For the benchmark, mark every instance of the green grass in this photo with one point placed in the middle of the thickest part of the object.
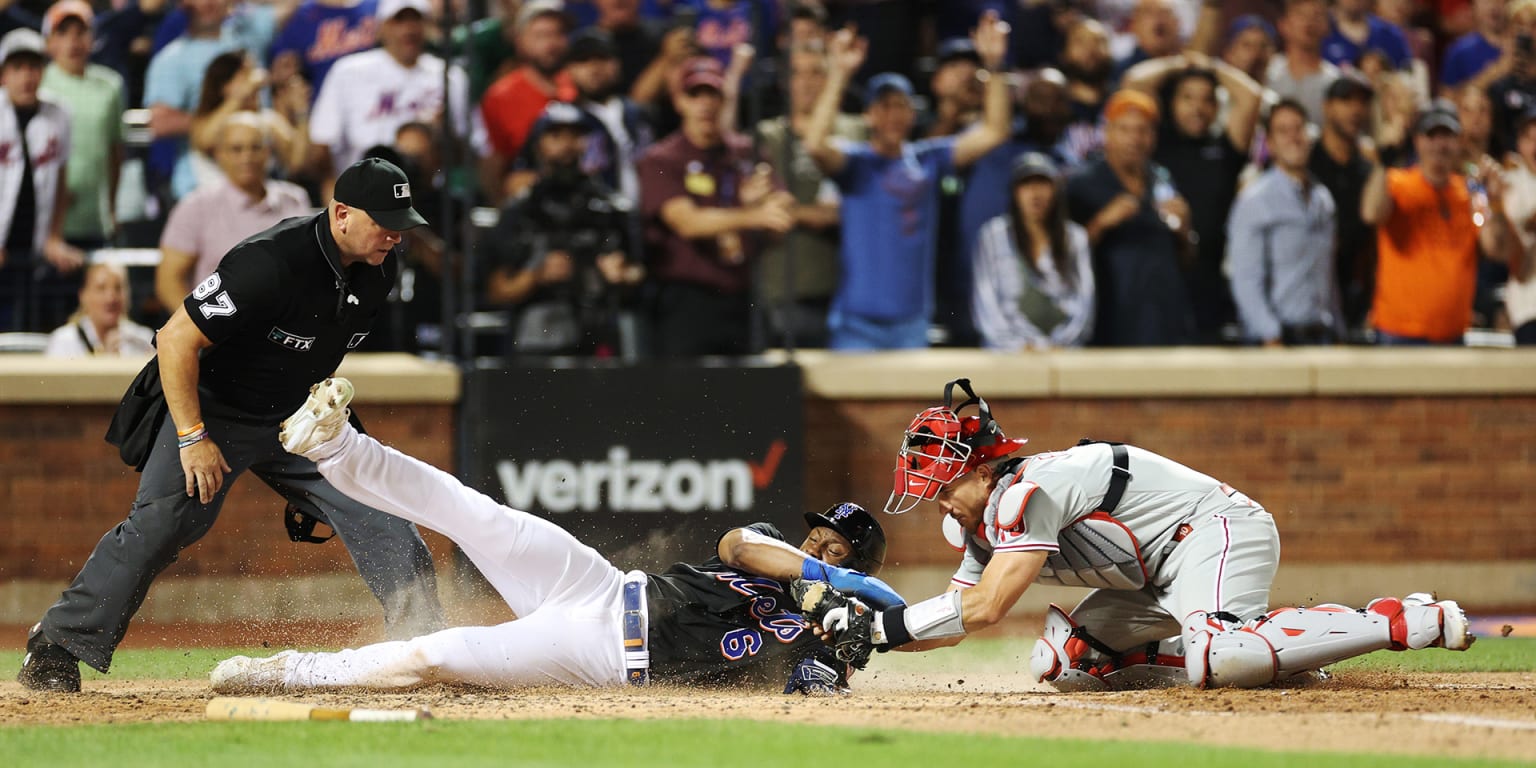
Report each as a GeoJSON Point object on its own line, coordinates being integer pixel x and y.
{"type": "Point", "coordinates": [591, 743]}
{"type": "Point", "coordinates": [1488, 654]}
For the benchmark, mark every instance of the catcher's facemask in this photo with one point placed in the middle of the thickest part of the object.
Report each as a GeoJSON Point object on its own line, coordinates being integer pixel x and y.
{"type": "Point", "coordinates": [940, 446]}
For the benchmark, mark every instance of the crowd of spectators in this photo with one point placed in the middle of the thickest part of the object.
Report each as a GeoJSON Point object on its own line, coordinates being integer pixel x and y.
{"type": "Point", "coordinates": [684, 178]}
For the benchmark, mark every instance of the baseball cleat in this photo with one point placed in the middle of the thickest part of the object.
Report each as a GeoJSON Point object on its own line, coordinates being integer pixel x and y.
{"type": "Point", "coordinates": [1455, 630]}
{"type": "Point", "coordinates": [48, 667]}
{"type": "Point", "coordinates": [320, 419]}
{"type": "Point", "coordinates": [243, 673]}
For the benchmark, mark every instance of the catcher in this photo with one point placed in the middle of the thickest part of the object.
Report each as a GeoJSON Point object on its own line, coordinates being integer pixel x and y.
{"type": "Point", "coordinates": [581, 621]}
{"type": "Point", "coordinates": [1180, 565]}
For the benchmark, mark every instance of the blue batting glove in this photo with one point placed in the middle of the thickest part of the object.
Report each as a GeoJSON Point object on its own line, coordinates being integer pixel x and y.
{"type": "Point", "coordinates": [867, 588]}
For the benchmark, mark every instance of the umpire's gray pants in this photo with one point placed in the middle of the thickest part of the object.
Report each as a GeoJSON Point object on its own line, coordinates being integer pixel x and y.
{"type": "Point", "coordinates": [89, 620]}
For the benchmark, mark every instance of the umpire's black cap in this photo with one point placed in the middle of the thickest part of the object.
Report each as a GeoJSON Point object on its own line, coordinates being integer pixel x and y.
{"type": "Point", "coordinates": [381, 189]}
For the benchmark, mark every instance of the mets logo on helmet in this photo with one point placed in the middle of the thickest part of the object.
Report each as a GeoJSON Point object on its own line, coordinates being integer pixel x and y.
{"type": "Point", "coordinates": [842, 511]}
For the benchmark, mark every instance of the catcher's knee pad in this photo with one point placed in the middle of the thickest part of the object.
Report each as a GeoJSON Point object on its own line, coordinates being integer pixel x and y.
{"type": "Point", "coordinates": [1219, 655]}
{"type": "Point", "coordinates": [1056, 659]}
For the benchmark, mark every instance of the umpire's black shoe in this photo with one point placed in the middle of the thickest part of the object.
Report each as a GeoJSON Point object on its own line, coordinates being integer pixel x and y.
{"type": "Point", "coordinates": [48, 667]}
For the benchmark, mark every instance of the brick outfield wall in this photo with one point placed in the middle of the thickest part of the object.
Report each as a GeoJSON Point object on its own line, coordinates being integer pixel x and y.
{"type": "Point", "coordinates": [1349, 480]}
{"type": "Point", "coordinates": [62, 487]}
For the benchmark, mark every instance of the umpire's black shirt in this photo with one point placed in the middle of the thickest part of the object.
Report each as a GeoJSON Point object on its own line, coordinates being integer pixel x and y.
{"type": "Point", "coordinates": [282, 312]}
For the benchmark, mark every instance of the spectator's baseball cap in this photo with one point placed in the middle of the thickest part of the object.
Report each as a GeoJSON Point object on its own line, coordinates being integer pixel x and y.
{"type": "Point", "coordinates": [1348, 86]}
{"type": "Point", "coordinates": [388, 9]}
{"type": "Point", "coordinates": [1249, 21]}
{"type": "Point", "coordinates": [558, 114]}
{"type": "Point", "coordinates": [21, 42]}
{"type": "Point", "coordinates": [956, 48]}
{"type": "Point", "coordinates": [1032, 165]}
{"type": "Point", "coordinates": [1125, 101]}
{"type": "Point", "coordinates": [1437, 118]}
{"type": "Point", "coordinates": [534, 9]}
{"type": "Point", "coordinates": [591, 44]}
{"type": "Point", "coordinates": [888, 82]}
{"type": "Point", "coordinates": [702, 72]}
{"type": "Point", "coordinates": [381, 189]}
{"type": "Point", "coordinates": [67, 9]}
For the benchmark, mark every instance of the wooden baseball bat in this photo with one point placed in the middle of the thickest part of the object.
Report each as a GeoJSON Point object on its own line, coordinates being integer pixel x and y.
{"type": "Point", "coordinates": [239, 708]}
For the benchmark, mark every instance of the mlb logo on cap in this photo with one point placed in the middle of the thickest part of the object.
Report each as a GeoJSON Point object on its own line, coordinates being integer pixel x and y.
{"type": "Point", "coordinates": [403, 191]}
{"type": "Point", "coordinates": [381, 189]}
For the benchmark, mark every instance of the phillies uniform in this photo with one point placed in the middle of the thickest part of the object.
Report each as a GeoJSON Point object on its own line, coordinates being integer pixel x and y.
{"type": "Point", "coordinates": [1178, 541]}
{"type": "Point", "coordinates": [700, 623]}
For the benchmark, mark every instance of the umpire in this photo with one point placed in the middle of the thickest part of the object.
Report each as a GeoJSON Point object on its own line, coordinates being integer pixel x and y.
{"type": "Point", "coordinates": [281, 311]}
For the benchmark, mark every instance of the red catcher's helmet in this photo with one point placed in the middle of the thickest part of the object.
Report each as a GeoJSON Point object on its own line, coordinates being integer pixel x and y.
{"type": "Point", "coordinates": [940, 445]}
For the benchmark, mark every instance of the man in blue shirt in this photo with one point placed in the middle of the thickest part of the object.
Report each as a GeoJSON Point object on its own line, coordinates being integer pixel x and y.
{"type": "Point", "coordinates": [1474, 53]}
{"type": "Point", "coordinates": [319, 33]}
{"type": "Point", "coordinates": [890, 190]}
{"type": "Point", "coordinates": [1356, 30]}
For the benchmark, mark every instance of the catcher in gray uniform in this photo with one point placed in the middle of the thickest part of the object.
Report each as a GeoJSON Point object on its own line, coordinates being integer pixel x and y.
{"type": "Point", "coordinates": [1180, 565]}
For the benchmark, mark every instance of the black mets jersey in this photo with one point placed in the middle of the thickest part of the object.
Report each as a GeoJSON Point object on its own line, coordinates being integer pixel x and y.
{"type": "Point", "coordinates": [712, 625]}
{"type": "Point", "coordinates": [282, 312]}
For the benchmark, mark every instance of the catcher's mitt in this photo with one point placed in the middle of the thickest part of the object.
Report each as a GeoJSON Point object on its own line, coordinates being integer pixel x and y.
{"type": "Point", "coordinates": [842, 620]}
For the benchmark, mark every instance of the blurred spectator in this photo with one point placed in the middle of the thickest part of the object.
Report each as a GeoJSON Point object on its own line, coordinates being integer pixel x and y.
{"type": "Point", "coordinates": [1397, 107]}
{"type": "Point", "coordinates": [1280, 245]}
{"type": "Point", "coordinates": [318, 34]}
{"type": "Point", "coordinates": [957, 93]}
{"type": "Point", "coordinates": [101, 326]}
{"type": "Point", "coordinates": [1138, 226]}
{"type": "Point", "coordinates": [513, 103]}
{"type": "Point", "coordinates": [1034, 273]}
{"type": "Point", "coordinates": [1339, 164]}
{"type": "Point", "coordinates": [701, 203]}
{"type": "Point", "coordinates": [93, 97]}
{"type": "Point", "coordinates": [1353, 30]}
{"type": "Point", "coordinates": [1047, 113]}
{"type": "Point", "coordinates": [1475, 112]}
{"type": "Point", "coordinates": [175, 78]}
{"type": "Point", "coordinates": [124, 43]}
{"type": "Point", "coordinates": [724, 24]}
{"type": "Point", "coordinates": [1155, 27]}
{"type": "Point", "coordinates": [207, 223]}
{"type": "Point", "coordinates": [807, 255]}
{"type": "Point", "coordinates": [1087, 66]}
{"type": "Point", "coordinates": [562, 250]}
{"type": "Point", "coordinates": [649, 53]}
{"type": "Point", "coordinates": [369, 95]}
{"type": "Point", "coordinates": [1520, 204]}
{"type": "Point", "coordinates": [1428, 234]}
{"type": "Point", "coordinates": [807, 25]}
{"type": "Point", "coordinates": [1205, 164]}
{"type": "Point", "coordinates": [1482, 55]}
{"type": "Point", "coordinates": [493, 43]}
{"type": "Point", "coordinates": [1250, 45]}
{"type": "Point", "coordinates": [39, 272]}
{"type": "Point", "coordinates": [1299, 71]}
{"type": "Point", "coordinates": [13, 16]}
{"type": "Point", "coordinates": [233, 85]}
{"type": "Point", "coordinates": [1515, 89]}
{"type": "Point", "coordinates": [890, 191]}
{"type": "Point", "coordinates": [623, 130]}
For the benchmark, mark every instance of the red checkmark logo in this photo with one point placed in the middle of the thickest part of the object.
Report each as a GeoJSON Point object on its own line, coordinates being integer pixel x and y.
{"type": "Point", "coordinates": [763, 472]}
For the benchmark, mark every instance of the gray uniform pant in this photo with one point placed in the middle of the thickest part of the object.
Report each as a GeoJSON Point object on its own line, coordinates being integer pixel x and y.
{"type": "Point", "coordinates": [89, 620]}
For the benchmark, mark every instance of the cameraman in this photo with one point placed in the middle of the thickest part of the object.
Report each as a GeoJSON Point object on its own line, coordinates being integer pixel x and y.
{"type": "Point", "coordinates": [561, 250]}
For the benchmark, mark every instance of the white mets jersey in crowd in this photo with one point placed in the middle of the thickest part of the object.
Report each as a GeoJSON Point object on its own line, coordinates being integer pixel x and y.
{"type": "Point", "coordinates": [1052, 502]}
{"type": "Point", "coordinates": [367, 96]}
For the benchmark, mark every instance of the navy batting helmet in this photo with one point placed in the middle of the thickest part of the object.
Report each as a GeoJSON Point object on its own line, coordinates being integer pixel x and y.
{"type": "Point", "coordinates": [858, 526]}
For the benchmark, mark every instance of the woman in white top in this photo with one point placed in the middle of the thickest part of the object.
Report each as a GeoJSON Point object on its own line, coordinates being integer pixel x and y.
{"type": "Point", "coordinates": [1034, 275]}
{"type": "Point", "coordinates": [1520, 206]}
{"type": "Point", "coordinates": [100, 326]}
{"type": "Point", "coordinates": [231, 85]}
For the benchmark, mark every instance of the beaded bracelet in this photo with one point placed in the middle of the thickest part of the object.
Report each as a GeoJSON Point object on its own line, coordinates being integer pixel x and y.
{"type": "Point", "coordinates": [184, 441]}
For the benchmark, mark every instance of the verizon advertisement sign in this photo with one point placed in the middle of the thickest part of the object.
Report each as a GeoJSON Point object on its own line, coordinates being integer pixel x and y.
{"type": "Point", "coordinates": [618, 455]}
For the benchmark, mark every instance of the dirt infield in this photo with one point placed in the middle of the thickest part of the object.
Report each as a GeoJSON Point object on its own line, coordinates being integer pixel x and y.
{"type": "Point", "coordinates": [1460, 715]}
